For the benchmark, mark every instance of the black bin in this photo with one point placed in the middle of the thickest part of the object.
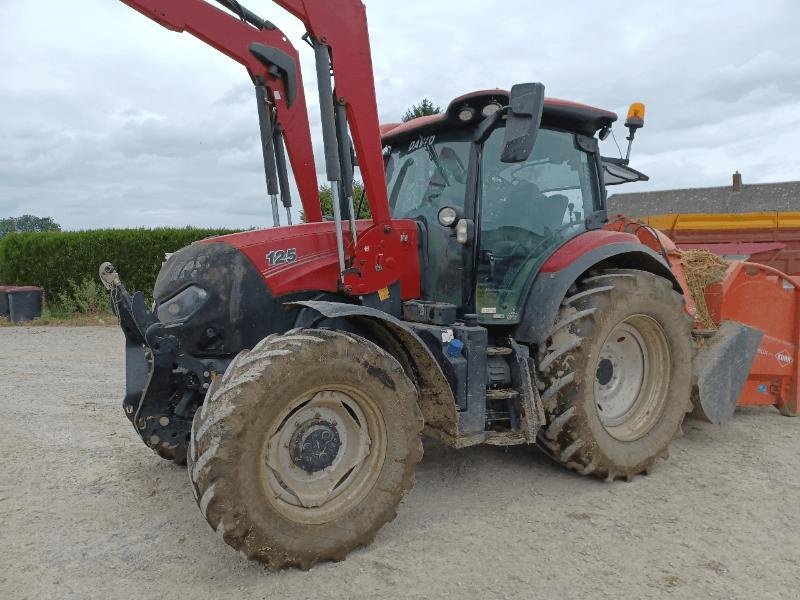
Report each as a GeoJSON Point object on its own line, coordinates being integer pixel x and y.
{"type": "Point", "coordinates": [4, 301]}
{"type": "Point", "coordinates": [24, 303]}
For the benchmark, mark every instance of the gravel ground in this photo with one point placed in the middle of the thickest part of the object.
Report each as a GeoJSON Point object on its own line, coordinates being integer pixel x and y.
{"type": "Point", "coordinates": [88, 512]}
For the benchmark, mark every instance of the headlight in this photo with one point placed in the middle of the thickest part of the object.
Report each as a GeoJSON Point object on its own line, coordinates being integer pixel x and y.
{"type": "Point", "coordinates": [183, 305]}
{"type": "Point", "coordinates": [490, 109]}
{"type": "Point", "coordinates": [448, 216]}
{"type": "Point", "coordinates": [466, 114]}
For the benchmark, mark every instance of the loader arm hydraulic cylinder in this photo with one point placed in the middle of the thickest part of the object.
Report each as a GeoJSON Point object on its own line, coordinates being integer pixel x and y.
{"type": "Point", "coordinates": [235, 38]}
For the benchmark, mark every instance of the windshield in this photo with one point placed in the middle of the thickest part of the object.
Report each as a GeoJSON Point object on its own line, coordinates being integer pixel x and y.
{"type": "Point", "coordinates": [427, 173]}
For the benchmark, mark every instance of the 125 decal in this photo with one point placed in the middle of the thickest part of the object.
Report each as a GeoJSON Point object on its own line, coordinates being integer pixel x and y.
{"type": "Point", "coordinates": [281, 257]}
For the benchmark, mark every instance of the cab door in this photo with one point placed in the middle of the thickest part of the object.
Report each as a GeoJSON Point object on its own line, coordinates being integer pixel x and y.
{"type": "Point", "coordinates": [527, 210]}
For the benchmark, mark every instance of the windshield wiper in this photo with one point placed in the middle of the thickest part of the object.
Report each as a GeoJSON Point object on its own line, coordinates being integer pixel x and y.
{"type": "Point", "coordinates": [435, 160]}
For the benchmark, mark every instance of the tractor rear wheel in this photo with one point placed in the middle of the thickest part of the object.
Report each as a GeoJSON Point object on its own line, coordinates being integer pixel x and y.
{"type": "Point", "coordinates": [616, 374]}
{"type": "Point", "coordinates": [305, 447]}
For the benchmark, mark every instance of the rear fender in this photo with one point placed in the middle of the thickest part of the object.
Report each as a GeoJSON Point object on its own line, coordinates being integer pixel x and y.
{"type": "Point", "coordinates": [436, 399]}
{"type": "Point", "coordinates": [552, 284]}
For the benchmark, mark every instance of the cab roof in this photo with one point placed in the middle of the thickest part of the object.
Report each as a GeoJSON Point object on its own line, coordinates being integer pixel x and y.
{"type": "Point", "coordinates": [560, 114]}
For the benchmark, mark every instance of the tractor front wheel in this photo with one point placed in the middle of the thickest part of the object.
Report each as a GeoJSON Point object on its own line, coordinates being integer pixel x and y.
{"type": "Point", "coordinates": [305, 447]}
{"type": "Point", "coordinates": [616, 374]}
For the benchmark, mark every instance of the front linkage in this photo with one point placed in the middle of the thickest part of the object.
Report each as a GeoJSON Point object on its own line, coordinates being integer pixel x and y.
{"type": "Point", "coordinates": [163, 385]}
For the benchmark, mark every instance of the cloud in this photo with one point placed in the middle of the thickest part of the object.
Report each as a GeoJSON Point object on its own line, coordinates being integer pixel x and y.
{"type": "Point", "coordinates": [110, 120]}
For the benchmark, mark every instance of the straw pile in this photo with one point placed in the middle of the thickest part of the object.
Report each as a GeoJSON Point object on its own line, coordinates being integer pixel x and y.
{"type": "Point", "coordinates": [702, 268]}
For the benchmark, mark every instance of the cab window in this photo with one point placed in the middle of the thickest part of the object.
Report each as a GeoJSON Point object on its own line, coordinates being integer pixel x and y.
{"type": "Point", "coordinates": [427, 173]}
{"type": "Point", "coordinates": [424, 175]}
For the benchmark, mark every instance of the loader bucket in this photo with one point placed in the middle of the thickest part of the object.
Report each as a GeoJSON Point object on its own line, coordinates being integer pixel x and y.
{"type": "Point", "coordinates": [721, 366]}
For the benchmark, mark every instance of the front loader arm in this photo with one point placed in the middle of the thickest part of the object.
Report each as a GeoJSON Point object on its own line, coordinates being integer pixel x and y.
{"type": "Point", "coordinates": [337, 31]}
{"type": "Point", "coordinates": [234, 38]}
{"type": "Point", "coordinates": [342, 26]}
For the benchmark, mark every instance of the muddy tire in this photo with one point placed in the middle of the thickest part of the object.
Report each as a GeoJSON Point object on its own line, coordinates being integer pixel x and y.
{"type": "Point", "coordinates": [304, 448]}
{"type": "Point", "coordinates": [616, 374]}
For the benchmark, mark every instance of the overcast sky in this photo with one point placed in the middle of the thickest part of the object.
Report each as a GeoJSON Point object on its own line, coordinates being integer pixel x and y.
{"type": "Point", "coordinates": [108, 120]}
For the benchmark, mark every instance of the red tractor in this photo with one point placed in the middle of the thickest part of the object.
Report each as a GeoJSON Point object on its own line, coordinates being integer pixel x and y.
{"type": "Point", "coordinates": [486, 301]}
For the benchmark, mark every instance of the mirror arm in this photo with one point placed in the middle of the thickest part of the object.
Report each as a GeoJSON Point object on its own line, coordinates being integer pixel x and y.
{"type": "Point", "coordinates": [485, 126]}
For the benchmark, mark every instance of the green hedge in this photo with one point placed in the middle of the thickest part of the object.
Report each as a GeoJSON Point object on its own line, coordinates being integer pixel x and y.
{"type": "Point", "coordinates": [53, 260]}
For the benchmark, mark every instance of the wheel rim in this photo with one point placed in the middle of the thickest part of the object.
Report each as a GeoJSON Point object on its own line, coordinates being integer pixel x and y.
{"type": "Point", "coordinates": [324, 454]}
{"type": "Point", "coordinates": [631, 377]}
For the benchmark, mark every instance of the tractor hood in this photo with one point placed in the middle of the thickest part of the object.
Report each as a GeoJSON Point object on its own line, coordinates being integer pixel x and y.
{"type": "Point", "coordinates": [292, 259]}
{"type": "Point", "coordinates": [226, 293]}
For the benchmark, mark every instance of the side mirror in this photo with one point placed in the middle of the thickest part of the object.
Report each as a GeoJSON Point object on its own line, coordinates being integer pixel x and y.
{"type": "Point", "coordinates": [522, 124]}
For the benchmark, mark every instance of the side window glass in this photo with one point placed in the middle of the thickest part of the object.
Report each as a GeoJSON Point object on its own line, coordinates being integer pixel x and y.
{"type": "Point", "coordinates": [424, 175]}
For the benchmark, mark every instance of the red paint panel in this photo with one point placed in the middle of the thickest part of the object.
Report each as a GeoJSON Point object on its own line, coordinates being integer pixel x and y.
{"type": "Point", "coordinates": [583, 244]}
{"type": "Point", "coordinates": [385, 255]}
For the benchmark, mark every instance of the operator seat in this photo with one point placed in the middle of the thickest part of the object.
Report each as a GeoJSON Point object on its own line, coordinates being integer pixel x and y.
{"type": "Point", "coordinates": [553, 210]}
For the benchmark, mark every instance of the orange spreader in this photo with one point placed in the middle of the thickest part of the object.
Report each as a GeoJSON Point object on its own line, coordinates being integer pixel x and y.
{"type": "Point", "coordinates": [765, 299]}
{"type": "Point", "coordinates": [752, 360]}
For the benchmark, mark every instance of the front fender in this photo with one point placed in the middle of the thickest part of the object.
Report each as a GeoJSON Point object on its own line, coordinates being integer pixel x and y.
{"type": "Point", "coordinates": [436, 402]}
{"type": "Point", "coordinates": [565, 267]}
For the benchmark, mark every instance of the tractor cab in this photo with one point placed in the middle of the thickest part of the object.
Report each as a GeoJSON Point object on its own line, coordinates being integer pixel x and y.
{"type": "Point", "coordinates": [487, 223]}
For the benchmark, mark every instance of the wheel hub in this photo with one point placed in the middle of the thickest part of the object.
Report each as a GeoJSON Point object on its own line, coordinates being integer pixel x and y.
{"type": "Point", "coordinates": [631, 370]}
{"type": "Point", "coordinates": [315, 445]}
{"type": "Point", "coordinates": [325, 450]}
{"type": "Point", "coordinates": [605, 371]}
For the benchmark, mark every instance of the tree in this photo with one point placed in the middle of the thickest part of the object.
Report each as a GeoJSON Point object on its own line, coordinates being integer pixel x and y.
{"type": "Point", "coordinates": [326, 202]}
{"type": "Point", "coordinates": [423, 109]}
{"type": "Point", "coordinates": [27, 224]}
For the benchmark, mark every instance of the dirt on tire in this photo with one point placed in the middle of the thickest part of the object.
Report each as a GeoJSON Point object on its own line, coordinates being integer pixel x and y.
{"type": "Point", "coordinates": [573, 433]}
{"type": "Point", "coordinates": [229, 436]}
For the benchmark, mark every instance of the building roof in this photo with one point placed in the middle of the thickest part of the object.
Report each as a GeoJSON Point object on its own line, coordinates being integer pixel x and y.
{"type": "Point", "coordinates": [760, 197]}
